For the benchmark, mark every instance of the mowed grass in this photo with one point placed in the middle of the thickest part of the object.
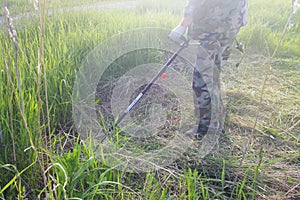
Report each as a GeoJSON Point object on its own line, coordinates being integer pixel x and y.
{"type": "Point", "coordinates": [43, 157]}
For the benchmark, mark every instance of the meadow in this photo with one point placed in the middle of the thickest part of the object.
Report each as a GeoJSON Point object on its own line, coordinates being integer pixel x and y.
{"type": "Point", "coordinates": [42, 156]}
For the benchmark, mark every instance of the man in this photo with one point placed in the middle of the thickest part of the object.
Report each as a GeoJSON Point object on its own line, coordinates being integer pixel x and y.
{"type": "Point", "coordinates": [215, 23]}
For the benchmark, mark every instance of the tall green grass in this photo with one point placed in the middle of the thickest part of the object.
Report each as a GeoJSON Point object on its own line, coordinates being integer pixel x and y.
{"type": "Point", "coordinates": [26, 6]}
{"type": "Point", "coordinates": [42, 157]}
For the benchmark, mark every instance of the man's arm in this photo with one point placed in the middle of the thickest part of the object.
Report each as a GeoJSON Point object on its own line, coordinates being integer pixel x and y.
{"type": "Point", "coordinates": [185, 22]}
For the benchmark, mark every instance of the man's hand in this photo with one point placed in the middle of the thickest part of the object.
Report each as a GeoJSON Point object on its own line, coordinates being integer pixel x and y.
{"type": "Point", "coordinates": [180, 30]}
{"type": "Point", "coordinates": [177, 33]}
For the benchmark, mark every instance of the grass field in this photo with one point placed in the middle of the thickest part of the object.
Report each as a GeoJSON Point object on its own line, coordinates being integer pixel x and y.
{"type": "Point", "coordinates": [42, 157]}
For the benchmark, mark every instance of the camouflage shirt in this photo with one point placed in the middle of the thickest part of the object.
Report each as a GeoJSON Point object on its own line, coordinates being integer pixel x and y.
{"type": "Point", "coordinates": [216, 15]}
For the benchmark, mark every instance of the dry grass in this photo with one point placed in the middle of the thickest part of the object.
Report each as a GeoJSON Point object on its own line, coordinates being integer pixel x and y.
{"type": "Point", "coordinates": [270, 125]}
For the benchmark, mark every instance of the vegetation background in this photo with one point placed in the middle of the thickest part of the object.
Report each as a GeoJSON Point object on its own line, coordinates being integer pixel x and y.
{"type": "Point", "coordinates": [41, 157]}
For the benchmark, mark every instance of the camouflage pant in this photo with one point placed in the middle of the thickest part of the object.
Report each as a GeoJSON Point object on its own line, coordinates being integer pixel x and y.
{"type": "Point", "coordinates": [213, 52]}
